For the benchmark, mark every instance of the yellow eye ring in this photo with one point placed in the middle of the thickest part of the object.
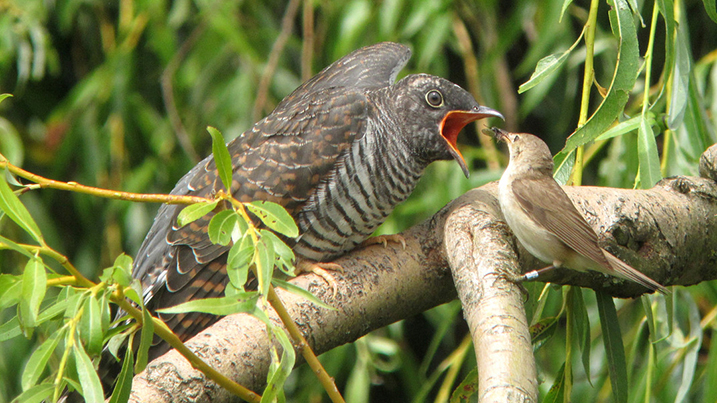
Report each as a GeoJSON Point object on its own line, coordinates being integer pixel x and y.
{"type": "Point", "coordinates": [434, 98]}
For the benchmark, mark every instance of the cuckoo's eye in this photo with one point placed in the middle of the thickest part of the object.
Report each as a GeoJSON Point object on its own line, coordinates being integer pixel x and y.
{"type": "Point", "coordinates": [434, 98]}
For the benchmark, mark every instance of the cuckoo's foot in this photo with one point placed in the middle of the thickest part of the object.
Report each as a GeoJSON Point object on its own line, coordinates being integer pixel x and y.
{"type": "Point", "coordinates": [384, 239]}
{"type": "Point", "coordinates": [321, 269]}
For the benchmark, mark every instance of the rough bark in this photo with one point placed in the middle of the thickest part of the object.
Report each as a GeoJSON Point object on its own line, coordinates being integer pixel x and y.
{"type": "Point", "coordinates": [668, 232]}
{"type": "Point", "coordinates": [480, 249]}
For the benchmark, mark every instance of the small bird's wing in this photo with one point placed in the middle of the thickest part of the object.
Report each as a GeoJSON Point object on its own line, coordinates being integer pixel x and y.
{"type": "Point", "coordinates": [548, 204]}
{"type": "Point", "coordinates": [624, 270]}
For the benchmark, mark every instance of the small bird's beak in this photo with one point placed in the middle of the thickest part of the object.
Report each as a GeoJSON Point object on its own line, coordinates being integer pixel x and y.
{"type": "Point", "coordinates": [455, 121]}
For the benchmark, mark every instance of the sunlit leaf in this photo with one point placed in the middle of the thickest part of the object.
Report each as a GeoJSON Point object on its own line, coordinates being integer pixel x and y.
{"type": "Point", "coordinates": [265, 265]}
{"type": "Point", "coordinates": [283, 253]}
{"type": "Point", "coordinates": [10, 290]}
{"type": "Point", "coordinates": [90, 381]}
{"type": "Point", "coordinates": [34, 285]}
{"type": "Point", "coordinates": [241, 302]}
{"type": "Point", "coordinates": [195, 211]}
{"type": "Point", "coordinates": [145, 341]}
{"type": "Point", "coordinates": [238, 261]}
{"type": "Point", "coordinates": [275, 217]}
{"type": "Point", "coordinates": [277, 377]}
{"type": "Point", "coordinates": [11, 205]}
{"type": "Point", "coordinates": [622, 83]}
{"type": "Point", "coordinates": [36, 394]}
{"type": "Point", "coordinates": [38, 360]}
{"type": "Point", "coordinates": [10, 329]}
{"type": "Point", "coordinates": [221, 227]}
{"type": "Point", "coordinates": [91, 326]}
{"type": "Point", "coordinates": [221, 157]}
{"type": "Point", "coordinates": [295, 289]}
{"type": "Point", "coordinates": [647, 155]}
{"type": "Point", "coordinates": [549, 64]}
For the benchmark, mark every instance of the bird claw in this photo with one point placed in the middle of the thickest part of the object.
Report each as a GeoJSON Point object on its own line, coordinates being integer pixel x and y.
{"type": "Point", "coordinates": [321, 269]}
{"type": "Point", "coordinates": [385, 239]}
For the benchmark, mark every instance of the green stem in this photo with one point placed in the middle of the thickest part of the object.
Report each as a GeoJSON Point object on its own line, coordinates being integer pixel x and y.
{"type": "Point", "coordinates": [161, 329]}
{"type": "Point", "coordinates": [588, 78]}
{"type": "Point", "coordinates": [41, 182]}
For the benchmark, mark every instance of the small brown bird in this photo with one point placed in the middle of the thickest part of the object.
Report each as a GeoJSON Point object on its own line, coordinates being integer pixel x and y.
{"type": "Point", "coordinates": [544, 219]}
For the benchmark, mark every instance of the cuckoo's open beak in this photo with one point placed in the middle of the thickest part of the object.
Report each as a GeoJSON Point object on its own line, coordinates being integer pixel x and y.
{"type": "Point", "coordinates": [455, 121]}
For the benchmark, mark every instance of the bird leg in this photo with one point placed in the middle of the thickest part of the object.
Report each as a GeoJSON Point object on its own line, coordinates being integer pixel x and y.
{"type": "Point", "coordinates": [320, 269]}
{"type": "Point", "coordinates": [384, 239]}
{"type": "Point", "coordinates": [534, 274]}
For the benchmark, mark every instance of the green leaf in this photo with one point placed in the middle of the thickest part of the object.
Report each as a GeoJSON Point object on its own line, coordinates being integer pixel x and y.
{"type": "Point", "coordinates": [680, 81]}
{"type": "Point", "coordinates": [265, 265]}
{"type": "Point", "coordinates": [543, 330]}
{"type": "Point", "coordinates": [90, 381]}
{"type": "Point", "coordinates": [275, 217]}
{"type": "Point", "coordinates": [692, 353]}
{"type": "Point", "coordinates": [556, 394]}
{"type": "Point", "coordinates": [145, 341]}
{"type": "Point", "coordinates": [564, 163]}
{"type": "Point", "coordinates": [91, 326]}
{"type": "Point", "coordinates": [118, 339]}
{"type": "Point", "coordinates": [295, 289]}
{"type": "Point", "coordinates": [36, 394]}
{"type": "Point", "coordinates": [4, 96]}
{"type": "Point", "coordinates": [239, 260]}
{"type": "Point", "coordinates": [10, 329]}
{"type": "Point", "coordinates": [581, 324]}
{"type": "Point", "coordinates": [279, 373]}
{"type": "Point", "coordinates": [647, 155]}
{"type": "Point", "coordinates": [711, 8]}
{"type": "Point", "coordinates": [221, 157]}
{"type": "Point", "coordinates": [11, 205]}
{"type": "Point", "coordinates": [612, 338]}
{"type": "Point", "coordinates": [284, 254]}
{"type": "Point", "coordinates": [10, 290]}
{"type": "Point", "coordinates": [120, 272]}
{"type": "Point", "coordinates": [34, 285]}
{"type": "Point", "coordinates": [622, 128]}
{"type": "Point", "coordinates": [549, 64]}
{"type": "Point", "coordinates": [564, 8]}
{"type": "Point", "coordinates": [221, 228]}
{"type": "Point", "coordinates": [195, 211]}
{"type": "Point", "coordinates": [710, 388]}
{"type": "Point", "coordinates": [14, 246]}
{"type": "Point", "coordinates": [123, 386]}
{"type": "Point", "coordinates": [467, 388]}
{"type": "Point", "coordinates": [624, 77]}
{"type": "Point", "coordinates": [38, 360]}
{"type": "Point", "coordinates": [240, 302]}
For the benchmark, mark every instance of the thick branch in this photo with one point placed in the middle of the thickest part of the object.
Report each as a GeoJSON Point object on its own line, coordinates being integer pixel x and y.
{"type": "Point", "coordinates": [479, 244]}
{"type": "Point", "coordinates": [668, 232]}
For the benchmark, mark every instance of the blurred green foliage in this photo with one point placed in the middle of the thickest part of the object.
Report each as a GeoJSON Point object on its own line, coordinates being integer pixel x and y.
{"type": "Point", "coordinates": [118, 95]}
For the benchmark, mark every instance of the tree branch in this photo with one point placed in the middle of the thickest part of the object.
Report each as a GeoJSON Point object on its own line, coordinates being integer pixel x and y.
{"type": "Point", "coordinates": [479, 244]}
{"type": "Point", "coordinates": [668, 232]}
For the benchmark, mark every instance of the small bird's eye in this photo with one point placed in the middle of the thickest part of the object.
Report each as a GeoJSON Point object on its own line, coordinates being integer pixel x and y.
{"type": "Point", "coordinates": [434, 98]}
{"type": "Point", "coordinates": [516, 138]}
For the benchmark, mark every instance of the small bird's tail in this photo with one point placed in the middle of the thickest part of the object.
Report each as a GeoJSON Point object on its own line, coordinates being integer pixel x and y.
{"type": "Point", "coordinates": [626, 271]}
